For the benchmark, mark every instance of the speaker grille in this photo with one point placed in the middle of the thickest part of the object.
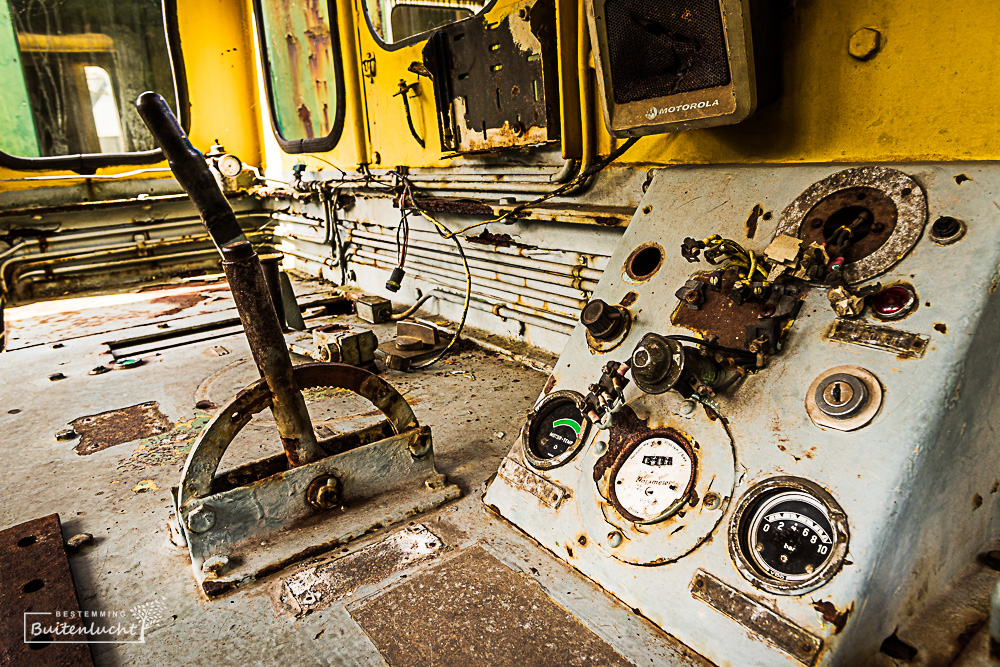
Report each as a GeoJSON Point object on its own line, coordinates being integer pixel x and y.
{"type": "Point", "coordinates": [659, 48]}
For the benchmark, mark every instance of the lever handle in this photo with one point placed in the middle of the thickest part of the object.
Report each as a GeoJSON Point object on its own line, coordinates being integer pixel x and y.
{"type": "Point", "coordinates": [190, 170]}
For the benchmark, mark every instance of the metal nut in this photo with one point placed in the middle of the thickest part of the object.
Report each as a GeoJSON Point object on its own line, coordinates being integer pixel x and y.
{"type": "Point", "coordinates": [215, 566]}
{"type": "Point", "coordinates": [865, 43]}
{"type": "Point", "coordinates": [200, 519]}
{"type": "Point", "coordinates": [615, 538]}
{"type": "Point", "coordinates": [324, 492]}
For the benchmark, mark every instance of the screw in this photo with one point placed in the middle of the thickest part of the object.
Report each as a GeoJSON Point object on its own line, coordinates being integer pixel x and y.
{"type": "Point", "coordinates": [324, 492]}
{"type": "Point", "coordinates": [712, 501]}
{"type": "Point", "coordinates": [215, 566]}
{"type": "Point", "coordinates": [865, 44]}
{"type": "Point", "coordinates": [615, 538]}
{"type": "Point", "coordinates": [200, 519]}
{"type": "Point", "coordinates": [600, 447]}
{"type": "Point", "coordinates": [816, 223]}
{"type": "Point", "coordinates": [687, 408]}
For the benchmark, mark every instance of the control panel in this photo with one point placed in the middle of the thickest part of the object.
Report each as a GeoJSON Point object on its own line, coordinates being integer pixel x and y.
{"type": "Point", "coordinates": [756, 422]}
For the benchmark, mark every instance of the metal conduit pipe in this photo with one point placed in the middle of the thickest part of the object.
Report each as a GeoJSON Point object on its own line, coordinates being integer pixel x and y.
{"type": "Point", "coordinates": [492, 301]}
{"type": "Point", "coordinates": [118, 231]}
{"type": "Point", "coordinates": [365, 230]}
{"type": "Point", "coordinates": [211, 252]}
{"type": "Point", "coordinates": [518, 260]}
{"type": "Point", "coordinates": [497, 285]}
{"type": "Point", "coordinates": [504, 312]}
{"type": "Point", "coordinates": [492, 269]}
{"type": "Point", "coordinates": [325, 261]}
{"type": "Point", "coordinates": [484, 290]}
{"type": "Point", "coordinates": [61, 257]}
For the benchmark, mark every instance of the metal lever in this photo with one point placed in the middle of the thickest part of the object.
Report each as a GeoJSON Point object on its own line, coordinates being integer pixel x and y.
{"type": "Point", "coordinates": [245, 277]}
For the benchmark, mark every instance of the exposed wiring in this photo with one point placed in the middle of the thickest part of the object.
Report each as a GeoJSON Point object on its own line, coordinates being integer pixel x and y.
{"type": "Point", "coordinates": [444, 232]}
{"type": "Point", "coordinates": [414, 308]}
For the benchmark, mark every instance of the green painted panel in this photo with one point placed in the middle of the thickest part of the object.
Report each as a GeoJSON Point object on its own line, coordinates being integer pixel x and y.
{"type": "Point", "coordinates": [18, 136]}
{"type": "Point", "coordinates": [302, 67]}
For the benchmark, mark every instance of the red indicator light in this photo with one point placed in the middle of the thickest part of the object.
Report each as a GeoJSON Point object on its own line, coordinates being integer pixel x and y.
{"type": "Point", "coordinates": [893, 301]}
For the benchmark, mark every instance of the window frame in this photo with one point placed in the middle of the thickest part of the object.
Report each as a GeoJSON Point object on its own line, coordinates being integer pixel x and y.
{"type": "Point", "coordinates": [420, 36]}
{"type": "Point", "coordinates": [89, 163]}
{"type": "Point", "coordinates": [316, 144]}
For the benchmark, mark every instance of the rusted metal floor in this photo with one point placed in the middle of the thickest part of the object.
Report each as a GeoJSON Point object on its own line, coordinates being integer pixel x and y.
{"type": "Point", "coordinates": [455, 586]}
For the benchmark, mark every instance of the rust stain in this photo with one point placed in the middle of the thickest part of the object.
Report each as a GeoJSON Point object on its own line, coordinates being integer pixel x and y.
{"type": "Point", "coordinates": [170, 447]}
{"type": "Point", "coordinates": [499, 240]}
{"type": "Point", "coordinates": [941, 326]}
{"type": "Point", "coordinates": [550, 384]}
{"type": "Point", "coordinates": [116, 427]}
{"type": "Point", "coordinates": [831, 615]}
{"type": "Point", "coordinates": [629, 299]}
{"type": "Point", "coordinates": [451, 205]}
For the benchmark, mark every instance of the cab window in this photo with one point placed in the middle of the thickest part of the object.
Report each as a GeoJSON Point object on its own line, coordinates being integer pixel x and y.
{"type": "Point", "coordinates": [394, 21]}
{"type": "Point", "coordinates": [301, 59]}
{"type": "Point", "coordinates": [71, 71]}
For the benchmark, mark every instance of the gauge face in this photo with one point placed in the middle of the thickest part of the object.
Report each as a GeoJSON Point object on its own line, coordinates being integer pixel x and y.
{"type": "Point", "coordinates": [230, 165]}
{"type": "Point", "coordinates": [556, 430]}
{"type": "Point", "coordinates": [654, 480]}
{"type": "Point", "coordinates": [789, 535]}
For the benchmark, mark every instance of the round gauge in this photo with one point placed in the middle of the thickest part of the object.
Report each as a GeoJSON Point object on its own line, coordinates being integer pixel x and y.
{"type": "Point", "coordinates": [654, 478]}
{"type": "Point", "coordinates": [229, 166]}
{"type": "Point", "coordinates": [555, 429]}
{"type": "Point", "coordinates": [791, 536]}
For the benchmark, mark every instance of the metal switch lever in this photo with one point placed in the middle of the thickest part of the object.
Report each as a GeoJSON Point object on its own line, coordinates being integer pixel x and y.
{"type": "Point", "coordinates": [246, 280]}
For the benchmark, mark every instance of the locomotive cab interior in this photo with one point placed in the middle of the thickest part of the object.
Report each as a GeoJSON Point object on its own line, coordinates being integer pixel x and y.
{"type": "Point", "coordinates": [499, 332]}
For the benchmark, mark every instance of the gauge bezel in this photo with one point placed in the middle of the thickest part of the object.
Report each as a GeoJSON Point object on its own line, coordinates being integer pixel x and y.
{"type": "Point", "coordinates": [743, 519]}
{"type": "Point", "coordinates": [626, 452]}
{"type": "Point", "coordinates": [530, 422]}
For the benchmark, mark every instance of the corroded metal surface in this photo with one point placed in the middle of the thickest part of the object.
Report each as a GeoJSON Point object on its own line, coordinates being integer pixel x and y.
{"type": "Point", "coordinates": [906, 195]}
{"type": "Point", "coordinates": [904, 344]}
{"type": "Point", "coordinates": [116, 427]}
{"type": "Point", "coordinates": [755, 617]}
{"type": "Point", "coordinates": [332, 580]}
{"type": "Point", "coordinates": [474, 610]}
{"type": "Point", "coordinates": [35, 584]}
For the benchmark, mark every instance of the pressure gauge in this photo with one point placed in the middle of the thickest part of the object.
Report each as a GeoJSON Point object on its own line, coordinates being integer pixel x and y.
{"type": "Point", "coordinates": [653, 477]}
{"type": "Point", "coordinates": [555, 430]}
{"type": "Point", "coordinates": [790, 536]}
{"type": "Point", "coordinates": [229, 166]}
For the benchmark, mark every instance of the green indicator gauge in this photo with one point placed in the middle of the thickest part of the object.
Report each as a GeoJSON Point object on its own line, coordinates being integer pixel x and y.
{"type": "Point", "coordinates": [555, 430]}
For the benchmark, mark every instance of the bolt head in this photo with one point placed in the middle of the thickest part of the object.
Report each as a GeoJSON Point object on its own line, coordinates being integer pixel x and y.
{"type": "Point", "coordinates": [687, 408]}
{"type": "Point", "coordinates": [324, 492]}
{"type": "Point", "coordinates": [865, 44]}
{"type": "Point", "coordinates": [712, 501]}
{"type": "Point", "coordinates": [200, 519]}
{"type": "Point", "coordinates": [600, 447]}
{"type": "Point", "coordinates": [215, 566]}
{"type": "Point", "coordinates": [615, 539]}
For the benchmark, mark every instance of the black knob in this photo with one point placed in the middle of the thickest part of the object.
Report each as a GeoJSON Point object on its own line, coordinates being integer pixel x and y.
{"type": "Point", "coordinates": [603, 321]}
{"type": "Point", "coordinates": [657, 363]}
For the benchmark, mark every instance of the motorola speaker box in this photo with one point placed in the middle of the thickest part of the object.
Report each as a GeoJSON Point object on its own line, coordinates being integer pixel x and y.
{"type": "Point", "coordinates": [669, 65]}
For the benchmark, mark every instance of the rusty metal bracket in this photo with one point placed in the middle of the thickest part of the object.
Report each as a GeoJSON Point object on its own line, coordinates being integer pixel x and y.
{"type": "Point", "coordinates": [224, 519]}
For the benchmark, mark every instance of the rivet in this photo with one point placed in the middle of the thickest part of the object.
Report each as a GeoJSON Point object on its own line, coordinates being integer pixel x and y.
{"type": "Point", "coordinates": [615, 539]}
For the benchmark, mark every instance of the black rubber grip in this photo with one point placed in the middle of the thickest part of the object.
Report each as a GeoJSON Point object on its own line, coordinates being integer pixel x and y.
{"type": "Point", "coordinates": [190, 169]}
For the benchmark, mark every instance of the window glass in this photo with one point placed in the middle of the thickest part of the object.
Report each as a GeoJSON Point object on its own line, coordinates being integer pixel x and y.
{"type": "Point", "coordinates": [302, 62]}
{"type": "Point", "coordinates": [71, 71]}
{"type": "Point", "coordinates": [396, 20]}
